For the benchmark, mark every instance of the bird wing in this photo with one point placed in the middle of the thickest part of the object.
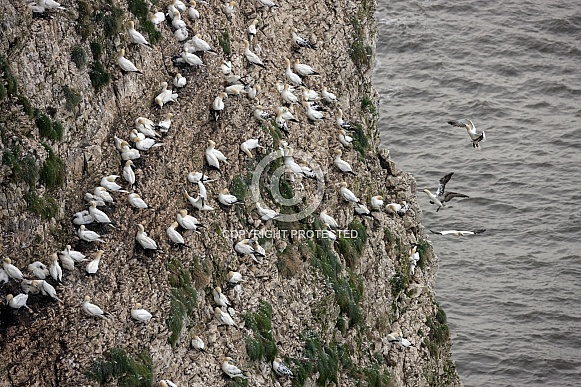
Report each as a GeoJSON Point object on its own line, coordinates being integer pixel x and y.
{"type": "Point", "coordinates": [451, 195]}
{"type": "Point", "coordinates": [479, 231]}
{"type": "Point", "coordinates": [442, 184]}
{"type": "Point", "coordinates": [458, 123]}
{"type": "Point", "coordinates": [437, 232]}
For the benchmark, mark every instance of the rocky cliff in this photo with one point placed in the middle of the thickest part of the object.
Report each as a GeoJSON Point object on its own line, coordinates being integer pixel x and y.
{"type": "Point", "coordinates": [325, 307]}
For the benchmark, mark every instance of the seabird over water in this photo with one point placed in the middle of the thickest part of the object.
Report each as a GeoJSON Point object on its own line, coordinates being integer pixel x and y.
{"type": "Point", "coordinates": [449, 195]}
{"type": "Point", "coordinates": [459, 233]}
{"type": "Point", "coordinates": [471, 129]}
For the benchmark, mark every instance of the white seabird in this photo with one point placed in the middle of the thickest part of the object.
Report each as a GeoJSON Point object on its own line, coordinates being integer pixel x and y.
{"type": "Point", "coordinates": [231, 370]}
{"type": "Point", "coordinates": [202, 190]}
{"type": "Point", "coordinates": [93, 266]}
{"type": "Point", "coordinates": [243, 247]}
{"type": "Point", "coordinates": [226, 67]}
{"type": "Point", "coordinates": [288, 95]}
{"type": "Point", "coordinates": [136, 201]}
{"type": "Point", "coordinates": [125, 64]}
{"type": "Point", "coordinates": [301, 41]}
{"type": "Point", "coordinates": [195, 177]}
{"type": "Point", "coordinates": [326, 218]}
{"type": "Point", "coordinates": [343, 165]}
{"type": "Point", "coordinates": [157, 17]}
{"type": "Point", "coordinates": [342, 123]}
{"type": "Point", "coordinates": [139, 314]}
{"type": "Point", "coordinates": [4, 277]}
{"type": "Point", "coordinates": [98, 215]}
{"type": "Point", "coordinates": [459, 233]}
{"type": "Point", "coordinates": [214, 156]}
{"type": "Point", "coordinates": [198, 343]}
{"type": "Point", "coordinates": [471, 129]}
{"type": "Point", "coordinates": [135, 36]}
{"type": "Point", "coordinates": [291, 76]}
{"type": "Point", "coordinates": [251, 56]}
{"type": "Point", "coordinates": [73, 254]}
{"type": "Point", "coordinates": [127, 153]}
{"type": "Point", "coordinates": [193, 13]}
{"type": "Point", "coordinates": [45, 288]}
{"type": "Point", "coordinates": [266, 213]}
{"type": "Point", "coordinates": [234, 277]}
{"type": "Point", "coordinates": [434, 199]}
{"type": "Point", "coordinates": [55, 270]}
{"type": "Point", "coordinates": [347, 194]}
{"type": "Point", "coordinates": [235, 89]}
{"type": "Point", "coordinates": [228, 9]}
{"type": "Point", "coordinates": [260, 114]}
{"type": "Point", "coordinates": [448, 195]}
{"type": "Point", "coordinates": [190, 58]}
{"type": "Point", "coordinates": [197, 202]}
{"type": "Point", "coordinates": [146, 144]}
{"type": "Point", "coordinates": [179, 81]}
{"type": "Point", "coordinates": [303, 69]}
{"type": "Point", "coordinates": [88, 235]}
{"type": "Point", "coordinates": [177, 22]}
{"type": "Point", "coordinates": [249, 145]}
{"type": "Point", "coordinates": [361, 209]}
{"type": "Point", "coordinates": [223, 317]}
{"type": "Point", "coordinates": [200, 45]}
{"type": "Point", "coordinates": [345, 139]}
{"type": "Point", "coordinates": [174, 235]}
{"type": "Point", "coordinates": [218, 105]}
{"type": "Point", "coordinates": [377, 202]}
{"type": "Point", "coordinates": [83, 217]}
{"type": "Point", "coordinates": [227, 199]}
{"type": "Point", "coordinates": [66, 262]}
{"type": "Point", "coordinates": [328, 96]}
{"type": "Point", "coordinates": [181, 34]}
{"type": "Point", "coordinates": [188, 222]}
{"type": "Point", "coordinates": [109, 183]}
{"type": "Point", "coordinates": [280, 368]}
{"type": "Point", "coordinates": [17, 302]}
{"type": "Point", "coordinates": [268, 3]}
{"type": "Point", "coordinates": [92, 309]}
{"type": "Point", "coordinates": [128, 173]}
{"type": "Point", "coordinates": [165, 124]}
{"type": "Point", "coordinates": [165, 96]}
{"type": "Point", "coordinates": [38, 269]}
{"type": "Point", "coordinates": [144, 241]}
{"type": "Point", "coordinates": [252, 29]}
{"type": "Point", "coordinates": [101, 194]}
{"type": "Point", "coordinates": [253, 91]}
{"type": "Point", "coordinates": [219, 298]}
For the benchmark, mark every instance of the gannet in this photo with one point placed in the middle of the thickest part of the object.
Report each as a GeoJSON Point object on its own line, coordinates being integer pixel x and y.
{"type": "Point", "coordinates": [144, 120]}
{"type": "Point", "coordinates": [287, 95]}
{"type": "Point", "coordinates": [234, 277]}
{"type": "Point", "coordinates": [127, 153]}
{"type": "Point", "coordinates": [226, 67]}
{"type": "Point", "coordinates": [313, 115]}
{"type": "Point", "coordinates": [145, 130]}
{"type": "Point", "coordinates": [35, 8]}
{"type": "Point", "coordinates": [101, 193]}
{"type": "Point", "coordinates": [202, 190]}
{"type": "Point", "coordinates": [17, 302]}
{"type": "Point", "coordinates": [174, 235]}
{"type": "Point", "coordinates": [199, 44]}
{"type": "Point", "coordinates": [227, 199]}
{"type": "Point", "coordinates": [280, 368]}
{"type": "Point", "coordinates": [157, 17]}
{"type": "Point", "coordinates": [249, 145]}
{"type": "Point", "coordinates": [179, 5]}
{"type": "Point", "coordinates": [394, 208]}
{"type": "Point", "coordinates": [165, 96]}
{"type": "Point", "coordinates": [326, 218]}
{"type": "Point", "coordinates": [179, 81]}
{"type": "Point", "coordinates": [177, 21]}
{"type": "Point", "coordinates": [50, 5]}
{"type": "Point", "coordinates": [377, 202]}
{"type": "Point", "coordinates": [125, 64]}
{"type": "Point", "coordinates": [98, 215]}
{"type": "Point", "coordinates": [235, 89]}
{"type": "Point", "coordinates": [136, 36]}
{"type": "Point", "coordinates": [243, 247]}
{"type": "Point", "coordinates": [290, 163]}
{"type": "Point", "coordinates": [342, 123]}
{"type": "Point", "coordinates": [181, 34]}
{"type": "Point", "coordinates": [144, 241]}
{"type": "Point", "coordinates": [300, 41]}
{"type": "Point", "coordinates": [197, 202]}
{"type": "Point", "coordinates": [414, 258]}
{"type": "Point", "coordinates": [188, 222]}
{"type": "Point", "coordinates": [195, 177]}
{"type": "Point", "coordinates": [231, 370]}
{"type": "Point", "coordinates": [222, 317]}
{"type": "Point", "coordinates": [471, 129]}
{"type": "Point", "coordinates": [291, 76]}
{"type": "Point", "coordinates": [92, 309]}
{"type": "Point", "coordinates": [190, 58]}
{"type": "Point", "coordinates": [108, 182]}
{"type": "Point", "coordinates": [192, 11]}
{"type": "Point", "coordinates": [89, 197]}
{"type": "Point", "coordinates": [281, 122]}
{"type": "Point", "coordinates": [228, 9]}
{"type": "Point", "coordinates": [4, 277]}
{"type": "Point", "coordinates": [344, 138]}
{"type": "Point", "coordinates": [303, 69]}
{"type": "Point", "coordinates": [165, 124]}
{"type": "Point", "coordinates": [252, 29]}
{"type": "Point", "coordinates": [253, 91]}
{"type": "Point", "coordinates": [128, 173]}
{"type": "Point", "coordinates": [136, 201]}
{"type": "Point", "coordinates": [25, 285]}
{"type": "Point", "coordinates": [219, 298]}
{"type": "Point", "coordinates": [260, 114]}
{"type": "Point", "coordinates": [56, 272]}
{"type": "Point", "coordinates": [267, 3]}
{"type": "Point", "coordinates": [329, 233]}
{"type": "Point", "coordinates": [45, 288]}
{"type": "Point", "coordinates": [166, 383]}
{"type": "Point", "coordinates": [198, 344]}
{"type": "Point", "coordinates": [214, 156]}
{"type": "Point", "coordinates": [259, 250]}
{"type": "Point", "coordinates": [73, 254]}
{"type": "Point", "coordinates": [441, 188]}
{"type": "Point", "coordinates": [146, 144]}
{"type": "Point", "coordinates": [343, 165]}
{"type": "Point", "coordinates": [459, 233]}
{"type": "Point", "coordinates": [287, 114]}
{"type": "Point", "coordinates": [266, 213]}
{"type": "Point", "coordinates": [308, 94]}
{"type": "Point", "coordinates": [88, 235]}
{"type": "Point", "coordinates": [218, 105]}
{"type": "Point", "coordinates": [83, 217]}
{"type": "Point", "coordinates": [139, 314]}
{"type": "Point", "coordinates": [250, 56]}
{"type": "Point", "coordinates": [93, 266]}
{"type": "Point", "coordinates": [66, 262]}
{"type": "Point", "coordinates": [327, 96]}
{"type": "Point", "coordinates": [361, 209]}
{"type": "Point", "coordinates": [347, 194]}
{"type": "Point", "coordinates": [38, 269]}
{"type": "Point", "coordinates": [434, 199]}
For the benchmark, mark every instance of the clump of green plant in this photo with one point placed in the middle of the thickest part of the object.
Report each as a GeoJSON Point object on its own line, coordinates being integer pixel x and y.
{"type": "Point", "coordinates": [262, 344]}
{"type": "Point", "coordinates": [424, 250]}
{"type": "Point", "coordinates": [351, 245]}
{"type": "Point", "coordinates": [224, 41]}
{"type": "Point", "coordinates": [375, 377]}
{"type": "Point", "coordinates": [183, 299]}
{"type": "Point", "coordinates": [399, 282]}
{"type": "Point", "coordinates": [239, 186]}
{"type": "Point", "coordinates": [439, 333]}
{"type": "Point", "coordinates": [140, 9]}
{"type": "Point", "coordinates": [324, 359]}
{"type": "Point", "coordinates": [360, 52]}
{"type": "Point", "coordinates": [52, 130]}
{"type": "Point", "coordinates": [84, 25]}
{"type": "Point", "coordinates": [96, 50]}
{"type": "Point", "coordinates": [72, 98]}
{"type": "Point", "coordinates": [99, 76]}
{"type": "Point", "coordinates": [23, 169]}
{"type": "Point", "coordinates": [360, 141]}
{"type": "Point", "coordinates": [52, 174]}
{"type": "Point", "coordinates": [368, 104]}
{"type": "Point", "coordinates": [44, 206]}
{"type": "Point", "coordinates": [126, 369]}
{"type": "Point", "coordinates": [348, 294]}
{"type": "Point", "coordinates": [112, 21]}
{"type": "Point", "coordinates": [26, 106]}
{"type": "Point", "coordinates": [79, 57]}
{"type": "Point", "coordinates": [6, 74]}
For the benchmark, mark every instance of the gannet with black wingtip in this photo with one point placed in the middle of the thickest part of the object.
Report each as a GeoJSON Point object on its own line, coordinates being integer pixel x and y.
{"type": "Point", "coordinates": [235, 90]}
{"type": "Point", "coordinates": [347, 194]}
{"type": "Point", "coordinates": [187, 56]}
{"type": "Point", "coordinates": [249, 145]}
{"type": "Point", "coordinates": [136, 201]}
{"type": "Point", "coordinates": [228, 9]}
{"type": "Point", "coordinates": [288, 95]}
{"type": "Point", "coordinates": [198, 343]}
{"type": "Point", "coordinates": [226, 67]}
{"type": "Point", "coordinates": [128, 173]}
{"type": "Point", "coordinates": [181, 34]}
{"type": "Point", "coordinates": [434, 199]}
{"type": "Point", "coordinates": [446, 197]}
{"type": "Point", "coordinates": [177, 22]}
{"type": "Point", "coordinates": [213, 155]}
{"type": "Point", "coordinates": [157, 17]}
{"type": "Point", "coordinates": [243, 247]}
{"type": "Point", "coordinates": [174, 235]}
{"type": "Point", "coordinates": [197, 44]}
{"type": "Point", "coordinates": [145, 127]}
{"type": "Point", "coordinates": [345, 139]}
{"type": "Point", "coordinates": [165, 96]}
{"type": "Point", "coordinates": [361, 209]}
{"type": "Point", "coordinates": [266, 213]}
{"type": "Point", "coordinates": [93, 266]}
{"type": "Point", "coordinates": [144, 241]}
{"type": "Point", "coordinates": [92, 309]}
{"type": "Point", "coordinates": [98, 215]}
{"type": "Point", "coordinates": [291, 76]}
{"type": "Point", "coordinates": [4, 277]}
{"type": "Point", "coordinates": [253, 91]}
{"type": "Point", "coordinates": [55, 270]}
{"type": "Point", "coordinates": [76, 256]}
{"type": "Point", "coordinates": [287, 114]}
{"type": "Point", "coordinates": [308, 94]}
{"type": "Point", "coordinates": [197, 203]}
{"type": "Point", "coordinates": [202, 190]}
{"type": "Point", "coordinates": [125, 64]}
{"type": "Point", "coordinates": [377, 202]}
{"type": "Point", "coordinates": [195, 177]}
{"type": "Point", "coordinates": [46, 289]}
{"type": "Point", "coordinates": [227, 199]}
{"type": "Point", "coordinates": [342, 123]}
{"type": "Point", "coordinates": [260, 114]}
{"type": "Point", "coordinates": [252, 29]}
{"type": "Point", "coordinates": [89, 197]}
{"type": "Point", "coordinates": [251, 56]}
{"type": "Point", "coordinates": [223, 317]}
{"type": "Point", "coordinates": [459, 233]}
{"type": "Point", "coordinates": [301, 41]}
{"type": "Point", "coordinates": [281, 122]}
{"type": "Point", "coordinates": [136, 36]}
{"type": "Point", "coordinates": [38, 269]}
{"type": "Point", "coordinates": [326, 218]}
{"type": "Point", "coordinates": [471, 129]}
{"type": "Point", "coordinates": [303, 69]}
{"type": "Point", "coordinates": [343, 165]}
{"type": "Point", "coordinates": [66, 262]}
{"type": "Point", "coordinates": [17, 302]}
{"type": "Point", "coordinates": [179, 5]}
{"type": "Point", "coordinates": [50, 5]}
{"type": "Point", "coordinates": [328, 96]}
{"type": "Point", "coordinates": [101, 193]}
{"type": "Point", "coordinates": [146, 144]}
{"type": "Point", "coordinates": [88, 235]}
{"type": "Point", "coordinates": [280, 368]}
{"type": "Point", "coordinates": [188, 222]}
{"type": "Point", "coordinates": [313, 115]}
{"type": "Point", "coordinates": [128, 153]}
{"type": "Point", "coordinates": [139, 314]}
{"type": "Point", "coordinates": [179, 81]}
{"type": "Point", "coordinates": [414, 258]}
{"type": "Point", "coordinates": [165, 124]}
{"type": "Point", "coordinates": [234, 277]}
{"type": "Point", "coordinates": [218, 105]}
{"type": "Point", "coordinates": [268, 3]}
{"type": "Point", "coordinates": [231, 370]}
{"type": "Point", "coordinates": [219, 298]}
{"type": "Point", "coordinates": [108, 182]}
{"type": "Point", "coordinates": [393, 208]}
{"type": "Point", "coordinates": [193, 13]}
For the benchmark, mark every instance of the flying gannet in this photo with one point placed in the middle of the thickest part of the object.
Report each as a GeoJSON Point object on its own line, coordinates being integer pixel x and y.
{"type": "Point", "coordinates": [448, 195]}
{"type": "Point", "coordinates": [459, 233]}
{"type": "Point", "coordinates": [471, 129]}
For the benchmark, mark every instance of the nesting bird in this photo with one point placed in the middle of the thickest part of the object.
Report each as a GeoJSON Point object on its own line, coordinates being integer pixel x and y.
{"type": "Point", "coordinates": [125, 64]}
{"type": "Point", "coordinates": [144, 241]}
{"type": "Point", "coordinates": [92, 309]}
{"type": "Point", "coordinates": [231, 370]}
{"type": "Point", "coordinates": [139, 314]}
{"type": "Point", "coordinates": [93, 266]}
{"type": "Point", "coordinates": [280, 368]}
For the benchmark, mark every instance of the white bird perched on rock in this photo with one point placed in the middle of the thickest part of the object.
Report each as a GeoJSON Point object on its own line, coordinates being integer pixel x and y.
{"type": "Point", "coordinates": [377, 202]}
{"type": "Point", "coordinates": [471, 129]}
{"type": "Point", "coordinates": [139, 314]}
{"type": "Point", "coordinates": [303, 69]}
{"type": "Point", "coordinates": [347, 194]}
{"type": "Point", "coordinates": [55, 270]}
{"type": "Point", "coordinates": [301, 41]}
{"type": "Point", "coordinates": [312, 114]}
{"type": "Point", "coordinates": [219, 298]}
{"type": "Point", "coordinates": [309, 95]}
{"type": "Point", "coordinates": [253, 91]}
{"type": "Point", "coordinates": [190, 58]}
{"type": "Point", "coordinates": [414, 258]}
{"type": "Point", "coordinates": [214, 156]}
{"type": "Point", "coordinates": [125, 64]}
{"type": "Point", "coordinates": [231, 370]}
{"type": "Point", "coordinates": [142, 131]}
{"type": "Point", "coordinates": [267, 3]}
{"type": "Point", "coordinates": [280, 368]}
{"type": "Point", "coordinates": [93, 266]}
{"type": "Point", "coordinates": [67, 262]}
{"type": "Point", "coordinates": [223, 317]}
{"type": "Point", "coordinates": [144, 241]}
{"type": "Point", "coordinates": [218, 105]}
{"type": "Point", "coordinates": [45, 288]}
{"type": "Point", "coordinates": [128, 173]}
{"type": "Point", "coordinates": [244, 247]}
{"type": "Point", "coordinates": [97, 214]}
{"type": "Point", "coordinates": [109, 183]}
{"type": "Point", "coordinates": [328, 96]}
{"type": "Point", "coordinates": [146, 144]}
{"type": "Point", "coordinates": [26, 285]}
{"type": "Point", "coordinates": [394, 208]}
{"type": "Point", "coordinates": [286, 113]}
{"type": "Point", "coordinates": [179, 80]}
{"type": "Point", "coordinates": [291, 76]}
{"type": "Point", "coordinates": [166, 383]}
{"type": "Point", "coordinates": [198, 343]}
{"type": "Point", "coordinates": [127, 153]}
{"type": "Point", "coordinates": [136, 201]}
{"type": "Point", "coordinates": [260, 114]}
{"type": "Point", "coordinates": [188, 222]}
{"type": "Point", "coordinates": [177, 22]}
{"type": "Point", "coordinates": [249, 145]}
{"type": "Point", "coordinates": [179, 5]}
{"type": "Point", "coordinates": [329, 233]}
{"type": "Point", "coordinates": [92, 309]}
{"type": "Point", "coordinates": [266, 213]}
{"type": "Point", "coordinates": [136, 36]}
{"type": "Point", "coordinates": [345, 139]}
{"type": "Point", "coordinates": [102, 194]}
{"type": "Point", "coordinates": [343, 165]}
{"type": "Point", "coordinates": [202, 190]}
{"type": "Point", "coordinates": [165, 124]}
{"type": "Point", "coordinates": [38, 269]}
{"type": "Point", "coordinates": [197, 202]}
{"type": "Point", "coordinates": [144, 120]}
{"type": "Point", "coordinates": [83, 217]}
{"type": "Point", "coordinates": [281, 122]}
{"type": "Point", "coordinates": [234, 277]}
{"type": "Point", "coordinates": [288, 95]}
{"type": "Point", "coordinates": [157, 17]}
{"type": "Point", "coordinates": [17, 302]}
{"type": "Point", "coordinates": [197, 44]}
{"type": "Point", "coordinates": [88, 235]}
{"type": "Point", "coordinates": [73, 254]}
{"type": "Point", "coordinates": [193, 13]}
{"type": "Point", "coordinates": [226, 67]}
{"type": "Point", "coordinates": [252, 29]}
{"type": "Point", "coordinates": [252, 57]}
{"type": "Point", "coordinates": [341, 122]}
{"type": "Point", "coordinates": [227, 199]}
{"type": "Point", "coordinates": [228, 9]}
{"type": "Point", "coordinates": [174, 235]}
{"type": "Point", "coordinates": [361, 209]}
{"type": "Point", "coordinates": [195, 177]}
{"type": "Point", "coordinates": [89, 197]}
{"type": "Point", "coordinates": [326, 218]}
{"type": "Point", "coordinates": [49, 5]}
{"type": "Point", "coordinates": [165, 96]}
{"type": "Point", "coordinates": [235, 89]}
{"type": "Point", "coordinates": [181, 34]}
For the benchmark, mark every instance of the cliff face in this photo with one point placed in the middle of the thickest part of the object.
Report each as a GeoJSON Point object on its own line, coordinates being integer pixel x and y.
{"type": "Point", "coordinates": [325, 307]}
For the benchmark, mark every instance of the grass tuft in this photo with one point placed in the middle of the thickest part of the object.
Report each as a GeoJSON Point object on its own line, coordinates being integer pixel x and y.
{"type": "Point", "coordinates": [99, 76]}
{"type": "Point", "coordinates": [72, 98]}
{"type": "Point", "coordinates": [224, 41]}
{"type": "Point", "coordinates": [52, 130]}
{"type": "Point", "coordinates": [360, 141]}
{"type": "Point", "coordinates": [368, 104]}
{"type": "Point", "coordinates": [262, 345]}
{"type": "Point", "coordinates": [128, 370]}
{"type": "Point", "coordinates": [84, 25]}
{"type": "Point", "coordinates": [52, 174]}
{"type": "Point", "coordinates": [351, 246]}
{"type": "Point", "coordinates": [26, 106]}
{"type": "Point", "coordinates": [79, 57]}
{"type": "Point", "coordinates": [44, 206]}
{"type": "Point", "coordinates": [183, 299]}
